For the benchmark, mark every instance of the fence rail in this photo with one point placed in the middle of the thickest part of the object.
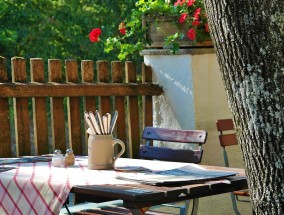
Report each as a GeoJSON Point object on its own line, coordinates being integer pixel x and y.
{"type": "Point", "coordinates": [39, 115]}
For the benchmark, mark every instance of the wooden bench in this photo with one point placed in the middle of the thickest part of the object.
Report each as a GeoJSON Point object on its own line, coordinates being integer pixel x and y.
{"type": "Point", "coordinates": [38, 116]}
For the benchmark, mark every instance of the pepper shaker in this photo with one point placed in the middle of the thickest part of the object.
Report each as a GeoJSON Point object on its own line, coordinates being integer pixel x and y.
{"type": "Point", "coordinates": [69, 158]}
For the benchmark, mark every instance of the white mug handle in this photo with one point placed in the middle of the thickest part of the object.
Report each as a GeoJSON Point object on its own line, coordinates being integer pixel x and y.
{"type": "Point", "coordinates": [117, 141]}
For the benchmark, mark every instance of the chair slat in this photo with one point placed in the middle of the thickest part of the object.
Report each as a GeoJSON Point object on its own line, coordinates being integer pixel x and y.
{"type": "Point", "coordinates": [168, 154]}
{"type": "Point", "coordinates": [228, 139]}
{"type": "Point", "coordinates": [182, 136]}
{"type": "Point", "coordinates": [225, 124]}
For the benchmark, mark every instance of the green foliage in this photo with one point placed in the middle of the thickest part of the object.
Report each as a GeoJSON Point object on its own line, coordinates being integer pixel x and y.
{"type": "Point", "coordinates": [58, 29]}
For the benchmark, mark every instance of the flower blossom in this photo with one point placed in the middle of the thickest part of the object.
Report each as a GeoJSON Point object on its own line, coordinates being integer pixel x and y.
{"type": "Point", "coordinates": [122, 28]}
{"type": "Point", "coordinates": [196, 13]}
{"type": "Point", "coordinates": [191, 34]}
{"type": "Point", "coordinates": [182, 17]}
{"type": "Point", "coordinates": [179, 2]}
{"type": "Point", "coordinates": [95, 34]}
{"type": "Point", "coordinates": [195, 23]}
{"type": "Point", "coordinates": [190, 2]}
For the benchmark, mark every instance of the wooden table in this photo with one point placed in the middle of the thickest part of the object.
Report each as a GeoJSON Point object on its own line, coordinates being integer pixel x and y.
{"type": "Point", "coordinates": [139, 197]}
{"type": "Point", "coordinates": [40, 188]}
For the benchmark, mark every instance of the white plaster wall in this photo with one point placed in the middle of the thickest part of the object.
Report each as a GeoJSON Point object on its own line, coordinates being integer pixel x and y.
{"type": "Point", "coordinates": [194, 99]}
{"type": "Point", "coordinates": [175, 108]}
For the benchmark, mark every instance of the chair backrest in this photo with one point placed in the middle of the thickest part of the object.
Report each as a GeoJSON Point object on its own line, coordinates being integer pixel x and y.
{"type": "Point", "coordinates": [227, 134]}
{"type": "Point", "coordinates": [148, 151]}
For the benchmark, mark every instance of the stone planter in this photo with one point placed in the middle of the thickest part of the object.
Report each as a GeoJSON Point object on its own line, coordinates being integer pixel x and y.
{"type": "Point", "coordinates": [160, 27]}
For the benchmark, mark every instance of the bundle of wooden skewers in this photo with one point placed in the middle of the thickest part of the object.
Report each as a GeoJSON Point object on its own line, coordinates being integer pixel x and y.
{"type": "Point", "coordinates": [100, 125]}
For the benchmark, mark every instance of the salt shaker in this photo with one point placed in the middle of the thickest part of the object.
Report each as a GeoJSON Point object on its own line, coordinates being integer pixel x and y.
{"type": "Point", "coordinates": [69, 158]}
{"type": "Point", "coordinates": [57, 159]}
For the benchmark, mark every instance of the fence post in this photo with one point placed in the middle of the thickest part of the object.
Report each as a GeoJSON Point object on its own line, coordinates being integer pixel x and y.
{"type": "Point", "coordinates": [133, 113]}
{"type": "Point", "coordinates": [5, 135]}
{"type": "Point", "coordinates": [39, 110]}
{"type": "Point", "coordinates": [21, 110]}
{"type": "Point", "coordinates": [57, 108]}
{"type": "Point", "coordinates": [73, 109]}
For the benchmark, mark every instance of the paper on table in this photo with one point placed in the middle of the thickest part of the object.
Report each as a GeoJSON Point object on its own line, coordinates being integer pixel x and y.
{"type": "Point", "coordinates": [25, 159]}
{"type": "Point", "coordinates": [187, 174]}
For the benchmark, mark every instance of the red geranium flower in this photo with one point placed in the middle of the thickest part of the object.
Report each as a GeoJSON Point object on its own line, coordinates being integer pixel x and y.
{"type": "Point", "coordinates": [195, 23]}
{"type": "Point", "coordinates": [182, 17]}
{"type": "Point", "coordinates": [190, 2]}
{"type": "Point", "coordinates": [95, 34]}
{"type": "Point", "coordinates": [179, 2]}
{"type": "Point", "coordinates": [122, 28]}
{"type": "Point", "coordinates": [191, 34]}
{"type": "Point", "coordinates": [196, 13]}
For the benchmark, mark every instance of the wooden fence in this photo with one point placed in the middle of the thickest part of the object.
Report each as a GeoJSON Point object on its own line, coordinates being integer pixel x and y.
{"type": "Point", "coordinates": [39, 116]}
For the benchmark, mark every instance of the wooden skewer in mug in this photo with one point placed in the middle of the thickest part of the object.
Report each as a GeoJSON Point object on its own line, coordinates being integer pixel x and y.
{"type": "Point", "coordinates": [89, 122]}
{"type": "Point", "coordinates": [100, 125]}
{"type": "Point", "coordinates": [94, 121]}
{"type": "Point", "coordinates": [99, 119]}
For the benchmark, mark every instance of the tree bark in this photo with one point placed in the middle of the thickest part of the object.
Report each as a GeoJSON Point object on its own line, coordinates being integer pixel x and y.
{"type": "Point", "coordinates": [248, 37]}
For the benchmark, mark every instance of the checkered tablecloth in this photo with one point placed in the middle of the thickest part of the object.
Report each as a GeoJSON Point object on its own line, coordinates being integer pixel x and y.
{"type": "Point", "coordinates": [39, 188]}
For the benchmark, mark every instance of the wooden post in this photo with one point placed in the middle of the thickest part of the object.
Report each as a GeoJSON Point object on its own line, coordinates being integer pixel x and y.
{"type": "Point", "coordinates": [57, 108]}
{"type": "Point", "coordinates": [117, 77]}
{"type": "Point", "coordinates": [39, 110]}
{"type": "Point", "coordinates": [21, 110]}
{"type": "Point", "coordinates": [103, 76]}
{"type": "Point", "coordinates": [147, 111]}
{"type": "Point", "coordinates": [5, 135]}
{"type": "Point", "coordinates": [73, 109]}
{"type": "Point", "coordinates": [133, 113]}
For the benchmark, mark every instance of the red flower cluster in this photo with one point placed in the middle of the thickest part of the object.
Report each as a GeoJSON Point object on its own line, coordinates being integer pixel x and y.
{"type": "Point", "coordinates": [196, 21]}
{"type": "Point", "coordinates": [95, 34]}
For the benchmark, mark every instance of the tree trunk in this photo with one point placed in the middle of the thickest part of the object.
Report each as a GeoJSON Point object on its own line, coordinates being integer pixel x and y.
{"type": "Point", "coordinates": [249, 41]}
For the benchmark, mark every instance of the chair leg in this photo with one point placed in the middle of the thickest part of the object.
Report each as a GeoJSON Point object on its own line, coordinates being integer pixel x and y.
{"type": "Point", "coordinates": [195, 203]}
{"type": "Point", "coordinates": [68, 211]}
{"type": "Point", "coordinates": [234, 203]}
{"type": "Point", "coordinates": [184, 210]}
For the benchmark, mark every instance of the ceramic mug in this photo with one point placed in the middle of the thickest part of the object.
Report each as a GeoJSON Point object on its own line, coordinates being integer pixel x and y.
{"type": "Point", "coordinates": [101, 151]}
